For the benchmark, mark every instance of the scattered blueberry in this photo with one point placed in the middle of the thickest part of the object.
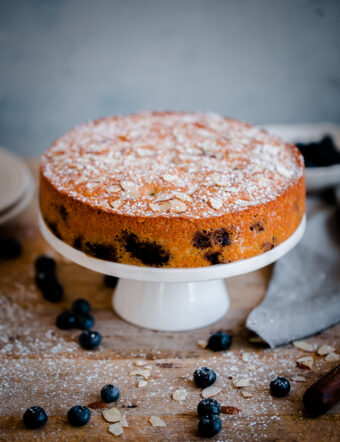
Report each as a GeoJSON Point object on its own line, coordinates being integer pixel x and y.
{"type": "Point", "coordinates": [90, 339]}
{"type": "Point", "coordinates": [78, 415]}
{"type": "Point", "coordinates": [280, 386]}
{"type": "Point", "coordinates": [35, 417]}
{"type": "Point", "coordinates": [10, 248]}
{"type": "Point", "coordinates": [45, 264]}
{"type": "Point", "coordinates": [219, 341]}
{"type": "Point", "coordinates": [203, 377]}
{"type": "Point", "coordinates": [84, 322]}
{"type": "Point", "coordinates": [110, 281]}
{"type": "Point", "coordinates": [110, 393]}
{"type": "Point", "coordinates": [209, 425]}
{"type": "Point", "coordinates": [208, 406]}
{"type": "Point", "coordinates": [53, 291]}
{"type": "Point", "coordinates": [43, 279]}
{"type": "Point", "coordinates": [66, 320]}
{"type": "Point", "coordinates": [81, 306]}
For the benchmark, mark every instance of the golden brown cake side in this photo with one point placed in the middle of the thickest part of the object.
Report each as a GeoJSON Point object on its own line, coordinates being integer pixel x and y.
{"type": "Point", "coordinates": [172, 241]}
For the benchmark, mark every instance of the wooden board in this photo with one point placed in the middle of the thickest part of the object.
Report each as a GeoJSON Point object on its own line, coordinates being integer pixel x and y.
{"type": "Point", "coordinates": [41, 365]}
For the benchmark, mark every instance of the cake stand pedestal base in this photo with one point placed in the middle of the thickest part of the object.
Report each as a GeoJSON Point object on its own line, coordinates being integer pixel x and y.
{"type": "Point", "coordinates": [171, 306]}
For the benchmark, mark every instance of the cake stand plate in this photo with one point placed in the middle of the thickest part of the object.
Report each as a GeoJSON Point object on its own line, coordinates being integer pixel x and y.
{"type": "Point", "coordinates": [173, 299]}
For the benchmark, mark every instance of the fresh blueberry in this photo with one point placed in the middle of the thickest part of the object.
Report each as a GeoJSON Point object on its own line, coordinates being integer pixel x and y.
{"type": "Point", "coordinates": [110, 393]}
{"type": "Point", "coordinates": [84, 322]}
{"type": "Point", "coordinates": [10, 248]}
{"type": "Point", "coordinates": [66, 320]}
{"type": "Point", "coordinates": [208, 406]}
{"type": "Point", "coordinates": [78, 415]}
{"type": "Point", "coordinates": [45, 264]}
{"type": "Point", "coordinates": [209, 425]}
{"type": "Point", "coordinates": [280, 386]}
{"type": "Point", "coordinates": [219, 341]}
{"type": "Point", "coordinates": [35, 417]}
{"type": "Point", "coordinates": [81, 306]}
{"type": "Point", "coordinates": [110, 281]}
{"type": "Point", "coordinates": [53, 291]}
{"type": "Point", "coordinates": [90, 339]}
{"type": "Point", "coordinates": [203, 377]}
{"type": "Point", "coordinates": [43, 279]}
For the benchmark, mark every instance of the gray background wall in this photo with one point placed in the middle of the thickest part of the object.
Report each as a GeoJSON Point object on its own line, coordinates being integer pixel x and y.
{"type": "Point", "coordinates": [63, 62]}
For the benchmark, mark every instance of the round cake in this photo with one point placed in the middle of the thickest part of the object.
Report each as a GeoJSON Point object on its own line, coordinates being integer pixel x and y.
{"type": "Point", "coordinates": [171, 189]}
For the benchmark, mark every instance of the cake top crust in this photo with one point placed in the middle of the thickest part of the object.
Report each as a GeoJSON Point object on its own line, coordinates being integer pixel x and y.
{"type": "Point", "coordinates": [171, 164]}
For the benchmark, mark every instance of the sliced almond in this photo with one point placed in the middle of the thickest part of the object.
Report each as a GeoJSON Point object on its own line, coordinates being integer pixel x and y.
{"type": "Point", "coordinates": [123, 422]}
{"type": "Point", "coordinates": [325, 350]}
{"type": "Point", "coordinates": [114, 188]}
{"type": "Point", "coordinates": [142, 383]}
{"type": "Point", "coordinates": [129, 186]}
{"type": "Point", "coordinates": [243, 382]}
{"type": "Point", "coordinates": [163, 196]}
{"type": "Point", "coordinates": [183, 196]}
{"type": "Point", "coordinates": [332, 357]}
{"type": "Point", "coordinates": [246, 394]}
{"type": "Point", "coordinates": [140, 363]}
{"type": "Point", "coordinates": [251, 367]}
{"type": "Point", "coordinates": [156, 421]}
{"type": "Point", "coordinates": [177, 206]}
{"type": "Point", "coordinates": [298, 379]}
{"type": "Point", "coordinates": [145, 372]}
{"type": "Point", "coordinates": [256, 340]}
{"type": "Point", "coordinates": [112, 415]}
{"type": "Point", "coordinates": [210, 391]}
{"type": "Point", "coordinates": [115, 204]}
{"type": "Point", "coordinates": [219, 179]}
{"type": "Point", "coordinates": [116, 429]}
{"type": "Point", "coordinates": [245, 356]}
{"type": "Point", "coordinates": [180, 394]}
{"type": "Point", "coordinates": [306, 362]}
{"type": "Point", "coordinates": [202, 344]}
{"type": "Point", "coordinates": [169, 178]}
{"type": "Point", "coordinates": [215, 203]}
{"type": "Point", "coordinates": [303, 345]}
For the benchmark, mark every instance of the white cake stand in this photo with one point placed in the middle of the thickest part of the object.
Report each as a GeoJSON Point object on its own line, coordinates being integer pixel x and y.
{"type": "Point", "coordinates": [174, 299]}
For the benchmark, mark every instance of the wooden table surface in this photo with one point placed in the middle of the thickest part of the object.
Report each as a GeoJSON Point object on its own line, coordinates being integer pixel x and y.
{"type": "Point", "coordinates": [42, 365]}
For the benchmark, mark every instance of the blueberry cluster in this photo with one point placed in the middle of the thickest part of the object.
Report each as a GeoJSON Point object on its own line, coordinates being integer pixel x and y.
{"type": "Point", "coordinates": [209, 409]}
{"type": "Point", "coordinates": [10, 248]}
{"type": "Point", "coordinates": [46, 278]}
{"type": "Point", "coordinates": [79, 415]}
{"type": "Point", "coordinates": [79, 317]}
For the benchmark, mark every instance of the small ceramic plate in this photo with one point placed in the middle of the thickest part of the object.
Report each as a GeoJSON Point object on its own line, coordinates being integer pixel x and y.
{"type": "Point", "coordinates": [14, 179]}
{"type": "Point", "coordinates": [317, 178]}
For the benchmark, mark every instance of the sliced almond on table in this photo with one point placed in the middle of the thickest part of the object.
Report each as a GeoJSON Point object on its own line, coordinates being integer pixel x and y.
{"type": "Point", "coordinates": [251, 367]}
{"type": "Point", "coordinates": [142, 383]}
{"type": "Point", "coordinates": [325, 350]}
{"type": "Point", "coordinates": [156, 421]}
{"type": "Point", "coordinates": [306, 362]}
{"type": "Point", "coordinates": [256, 340]}
{"type": "Point", "coordinates": [116, 429]}
{"type": "Point", "coordinates": [210, 391]}
{"type": "Point", "coordinates": [332, 357]}
{"type": "Point", "coordinates": [180, 394]}
{"type": "Point", "coordinates": [246, 394]}
{"type": "Point", "coordinates": [145, 372]}
{"type": "Point", "coordinates": [298, 379]}
{"type": "Point", "coordinates": [123, 421]}
{"type": "Point", "coordinates": [245, 356]}
{"type": "Point", "coordinates": [140, 362]}
{"type": "Point", "coordinates": [303, 345]}
{"type": "Point", "coordinates": [112, 415]}
{"type": "Point", "coordinates": [202, 344]}
{"type": "Point", "coordinates": [243, 382]}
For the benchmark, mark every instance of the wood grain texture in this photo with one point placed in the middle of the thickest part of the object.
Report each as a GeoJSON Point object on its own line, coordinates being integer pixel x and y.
{"type": "Point", "coordinates": [41, 365]}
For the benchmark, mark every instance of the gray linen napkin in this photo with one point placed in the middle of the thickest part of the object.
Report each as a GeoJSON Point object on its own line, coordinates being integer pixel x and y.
{"type": "Point", "coordinates": [303, 296]}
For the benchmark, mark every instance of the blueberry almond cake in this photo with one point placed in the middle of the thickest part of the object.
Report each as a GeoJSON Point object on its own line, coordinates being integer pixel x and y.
{"type": "Point", "coordinates": [171, 189]}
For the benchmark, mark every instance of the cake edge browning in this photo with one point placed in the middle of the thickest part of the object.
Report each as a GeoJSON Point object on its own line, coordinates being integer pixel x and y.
{"type": "Point", "coordinates": [180, 242]}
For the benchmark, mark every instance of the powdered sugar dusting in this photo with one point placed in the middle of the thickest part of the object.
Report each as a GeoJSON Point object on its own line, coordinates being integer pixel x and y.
{"type": "Point", "coordinates": [204, 164]}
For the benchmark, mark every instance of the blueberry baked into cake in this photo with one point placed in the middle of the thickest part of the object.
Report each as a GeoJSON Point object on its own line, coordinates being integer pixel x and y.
{"type": "Point", "coordinates": [171, 189]}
